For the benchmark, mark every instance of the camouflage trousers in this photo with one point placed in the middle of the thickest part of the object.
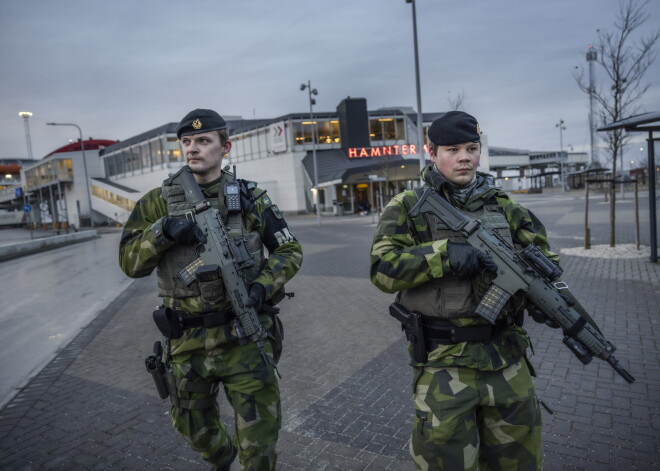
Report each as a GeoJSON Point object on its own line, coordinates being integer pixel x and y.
{"type": "Point", "coordinates": [252, 391]}
{"type": "Point", "coordinates": [467, 419]}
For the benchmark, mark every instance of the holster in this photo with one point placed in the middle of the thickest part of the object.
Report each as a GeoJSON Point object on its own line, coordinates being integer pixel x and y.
{"type": "Point", "coordinates": [156, 368]}
{"type": "Point", "coordinates": [413, 326]}
{"type": "Point", "coordinates": [169, 321]}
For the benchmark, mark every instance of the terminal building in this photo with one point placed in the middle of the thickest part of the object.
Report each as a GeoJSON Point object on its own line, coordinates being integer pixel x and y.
{"type": "Point", "coordinates": [360, 155]}
{"type": "Point", "coordinates": [357, 157]}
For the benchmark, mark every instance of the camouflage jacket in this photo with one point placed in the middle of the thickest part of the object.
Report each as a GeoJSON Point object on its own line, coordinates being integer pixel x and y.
{"type": "Point", "coordinates": [398, 262]}
{"type": "Point", "coordinates": [143, 244]}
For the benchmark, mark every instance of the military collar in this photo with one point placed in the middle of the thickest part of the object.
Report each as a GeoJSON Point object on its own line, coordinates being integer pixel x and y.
{"type": "Point", "coordinates": [214, 187]}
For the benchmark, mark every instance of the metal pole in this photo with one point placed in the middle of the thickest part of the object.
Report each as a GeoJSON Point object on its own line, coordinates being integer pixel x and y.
{"type": "Point", "coordinates": [587, 234]}
{"type": "Point", "coordinates": [636, 216]}
{"type": "Point", "coordinates": [316, 171]}
{"type": "Point", "coordinates": [652, 198]}
{"type": "Point", "coordinates": [561, 127]}
{"type": "Point", "coordinates": [420, 122]}
{"type": "Point", "coordinates": [53, 210]}
{"type": "Point", "coordinates": [591, 58]}
{"type": "Point", "coordinates": [87, 185]}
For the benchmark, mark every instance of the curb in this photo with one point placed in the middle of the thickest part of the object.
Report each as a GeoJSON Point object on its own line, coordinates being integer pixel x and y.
{"type": "Point", "coordinates": [7, 252]}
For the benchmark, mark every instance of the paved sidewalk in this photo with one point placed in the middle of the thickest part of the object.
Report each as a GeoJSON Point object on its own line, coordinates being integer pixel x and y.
{"type": "Point", "coordinates": [345, 380]}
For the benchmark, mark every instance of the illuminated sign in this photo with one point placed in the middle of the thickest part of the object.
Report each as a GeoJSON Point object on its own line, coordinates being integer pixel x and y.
{"type": "Point", "coordinates": [383, 151]}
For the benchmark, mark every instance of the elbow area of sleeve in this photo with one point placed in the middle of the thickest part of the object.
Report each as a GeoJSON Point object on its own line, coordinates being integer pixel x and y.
{"type": "Point", "coordinates": [436, 257]}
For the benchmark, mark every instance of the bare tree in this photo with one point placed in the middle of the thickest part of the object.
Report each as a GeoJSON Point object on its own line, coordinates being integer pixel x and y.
{"type": "Point", "coordinates": [624, 60]}
{"type": "Point", "coordinates": [456, 102]}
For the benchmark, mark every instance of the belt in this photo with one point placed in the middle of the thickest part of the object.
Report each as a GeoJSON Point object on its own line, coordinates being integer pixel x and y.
{"type": "Point", "coordinates": [442, 332]}
{"type": "Point", "coordinates": [210, 319]}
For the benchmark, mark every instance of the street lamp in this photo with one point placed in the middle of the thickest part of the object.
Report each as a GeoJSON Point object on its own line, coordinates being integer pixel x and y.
{"type": "Point", "coordinates": [561, 127]}
{"type": "Point", "coordinates": [26, 115]}
{"type": "Point", "coordinates": [420, 123]}
{"type": "Point", "coordinates": [312, 101]}
{"type": "Point", "coordinates": [592, 56]}
{"type": "Point", "coordinates": [82, 148]}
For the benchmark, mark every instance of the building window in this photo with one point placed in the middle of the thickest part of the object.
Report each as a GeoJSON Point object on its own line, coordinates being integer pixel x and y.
{"type": "Point", "coordinates": [173, 149]}
{"type": "Point", "coordinates": [113, 198]}
{"type": "Point", "coordinates": [302, 131]}
{"type": "Point", "coordinates": [387, 129]}
{"type": "Point", "coordinates": [327, 131]}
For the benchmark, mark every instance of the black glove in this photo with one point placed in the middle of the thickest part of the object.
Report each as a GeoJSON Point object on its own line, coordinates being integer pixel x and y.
{"type": "Point", "coordinates": [466, 261]}
{"type": "Point", "coordinates": [536, 314]}
{"type": "Point", "coordinates": [256, 298]}
{"type": "Point", "coordinates": [183, 231]}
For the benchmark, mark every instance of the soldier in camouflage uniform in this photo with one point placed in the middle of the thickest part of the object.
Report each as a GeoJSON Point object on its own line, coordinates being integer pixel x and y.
{"type": "Point", "coordinates": [474, 398]}
{"type": "Point", "coordinates": [208, 353]}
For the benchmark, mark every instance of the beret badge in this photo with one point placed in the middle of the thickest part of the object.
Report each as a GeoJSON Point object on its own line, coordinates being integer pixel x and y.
{"type": "Point", "coordinates": [197, 124]}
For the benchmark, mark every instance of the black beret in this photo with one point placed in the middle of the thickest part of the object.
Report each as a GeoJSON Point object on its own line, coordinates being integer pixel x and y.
{"type": "Point", "coordinates": [454, 127]}
{"type": "Point", "coordinates": [198, 121]}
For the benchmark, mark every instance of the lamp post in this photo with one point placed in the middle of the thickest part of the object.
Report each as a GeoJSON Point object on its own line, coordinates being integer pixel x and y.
{"type": "Point", "coordinates": [561, 127]}
{"type": "Point", "coordinates": [82, 148]}
{"type": "Point", "coordinates": [420, 123]}
{"type": "Point", "coordinates": [26, 115]}
{"type": "Point", "coordinates": [592, 56]}
{"type": "Point", "coordinates": [312, 101]}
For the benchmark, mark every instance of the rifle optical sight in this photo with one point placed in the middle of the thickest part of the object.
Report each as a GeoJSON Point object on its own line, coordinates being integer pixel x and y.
{"type": "Point", "coordinates": [543, 264]}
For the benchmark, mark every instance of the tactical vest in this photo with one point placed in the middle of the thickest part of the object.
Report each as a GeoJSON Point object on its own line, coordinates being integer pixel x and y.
{"type": "Point", "coordinates": [449, 297]}
{"type": "Point", "coordinates": [181, 259]}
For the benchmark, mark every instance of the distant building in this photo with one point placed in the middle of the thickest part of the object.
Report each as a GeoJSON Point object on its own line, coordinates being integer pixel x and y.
{"type": "Point", "coordinates": [11, 199]}
{"type": "Point", "coordinates": [523, 170]}
{"type": "Point", "coordinates": [360, 154]}
{"type": "Point", "coordinates": [56, 187]}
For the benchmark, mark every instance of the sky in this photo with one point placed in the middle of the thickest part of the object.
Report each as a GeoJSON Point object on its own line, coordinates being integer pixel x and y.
{"type": "Point", "coordinates": [121, 68]}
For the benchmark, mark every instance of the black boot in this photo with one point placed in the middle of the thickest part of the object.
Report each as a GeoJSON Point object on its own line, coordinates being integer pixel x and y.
{"type": "Point", "coordinates": [226, 466]}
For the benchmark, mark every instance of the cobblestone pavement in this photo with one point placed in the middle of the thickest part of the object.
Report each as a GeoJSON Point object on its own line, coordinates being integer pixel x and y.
{"type": "Point", "coordinates": [345, 379]}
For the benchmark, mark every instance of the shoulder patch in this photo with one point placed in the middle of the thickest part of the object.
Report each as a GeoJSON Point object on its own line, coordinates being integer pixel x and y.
{"type": "Point", "coordinates": [266, 201]}
{"type": "Point", "coordinates": [276, 211]}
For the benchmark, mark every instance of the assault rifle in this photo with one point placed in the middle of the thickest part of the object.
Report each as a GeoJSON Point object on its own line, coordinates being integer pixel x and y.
{"type": "Point", "coordinates": [229, 254]}
{"type": "Point", "coordinates": [532, 273]}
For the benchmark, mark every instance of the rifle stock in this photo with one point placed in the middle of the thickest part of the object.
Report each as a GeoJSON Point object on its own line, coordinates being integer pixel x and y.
{"type": "Point", "coordinates": [528, 271]}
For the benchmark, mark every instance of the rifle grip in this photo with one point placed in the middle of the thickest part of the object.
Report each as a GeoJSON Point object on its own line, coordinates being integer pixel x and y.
{"type": "Point", "coordinates": [492, 303]}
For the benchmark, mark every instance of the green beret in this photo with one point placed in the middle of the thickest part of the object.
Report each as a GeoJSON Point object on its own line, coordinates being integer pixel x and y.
{"type": "Point", "coordinates": [454, 127]}
{"type": "Point", "coordinates": [198, 121]}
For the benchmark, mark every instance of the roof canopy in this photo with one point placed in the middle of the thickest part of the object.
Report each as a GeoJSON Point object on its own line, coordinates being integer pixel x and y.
{"type": "Point", "coordinates": [640, 123]}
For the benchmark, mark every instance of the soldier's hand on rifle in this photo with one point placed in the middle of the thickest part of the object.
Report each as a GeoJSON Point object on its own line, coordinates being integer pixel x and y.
{"type": "Point", "coordinates": [466, 261]}
{"type": "Point", "coordinates": [183, 231]}
{"type": "Point", "coordinates": [256, 298]}
{"type": "Point", "coordinates": [536, 314]}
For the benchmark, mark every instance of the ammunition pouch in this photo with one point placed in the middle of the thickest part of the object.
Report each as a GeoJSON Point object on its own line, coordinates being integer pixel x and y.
{"type": "Point", "coordinates": [169, 322]}
{"type": "Point", "coordinates": [172, 322]}
{"type": "Point", "coordinates": [441, 332]}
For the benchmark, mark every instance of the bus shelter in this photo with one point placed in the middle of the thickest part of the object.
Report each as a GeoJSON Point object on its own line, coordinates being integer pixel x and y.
{"type": "Point", "coordinates": [648, 123]}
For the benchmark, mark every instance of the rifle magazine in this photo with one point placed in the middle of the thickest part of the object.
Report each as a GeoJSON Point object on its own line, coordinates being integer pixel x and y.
{"type": "Point", "coordinates": [492, 303]}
